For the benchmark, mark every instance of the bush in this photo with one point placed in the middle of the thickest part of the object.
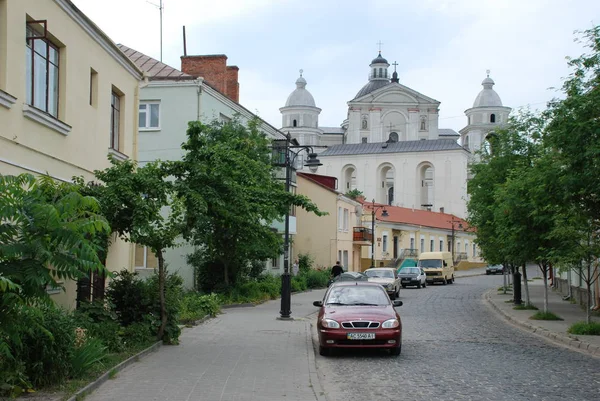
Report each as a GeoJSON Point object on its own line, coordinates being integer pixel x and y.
{"type": "Point", "coordinates": [195, 306]}
{"type": "Point", "coordinates": [545, 316]}
{"type": "Point", "coordinates": [128, 296]}
{"type": "Point", "coordinates": [585, 329]}
{"type": "Point", "coordinates": [305, 263]}
{"type": "Point", "coordinates": [316, 278]}
{"type": "Point", "coordinates": [86, 355]}
{"type": "Point", "coordinates": [299, 283]}
{"type": "Point", "coordinates": [139, 333]}
{"type": "Point", "coordinates": [100, 322]}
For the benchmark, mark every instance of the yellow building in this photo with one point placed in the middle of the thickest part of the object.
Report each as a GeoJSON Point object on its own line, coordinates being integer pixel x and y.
{"type": "Point", "coordinates": [68, 99]}
{"type": "Point", "coordinates": [329, 238]}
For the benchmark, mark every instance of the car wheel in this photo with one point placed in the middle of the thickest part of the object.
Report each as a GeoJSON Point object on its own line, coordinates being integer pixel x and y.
{"type": "Point", "coordinates": [424, 284]}
{"type": "Point", "coordinates": [451, 281]}
{"type": "Point", "coordinates": [487, 273]}
{"type": "Point", "coordinates": [445, 281]}
{"type": "Point", "coordinates": [396, 351]}
{"type": "Point", "coordinates": [419, 284]}
{"type": "Point", "coordinates": [403, 285]}
{"type": "Point", "coordinates": [323, 351]}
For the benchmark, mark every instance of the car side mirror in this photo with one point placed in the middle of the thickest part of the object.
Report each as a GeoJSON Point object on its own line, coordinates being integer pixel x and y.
{"type": "Point", "coordinates": [445, 264]}
{"type": "Point", "coordinates": [397, 303]}
{"type": "Point", "coordinates": [318, 303]}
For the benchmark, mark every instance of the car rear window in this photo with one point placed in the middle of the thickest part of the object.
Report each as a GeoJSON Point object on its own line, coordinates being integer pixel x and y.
{"type": "Point", "coordinates": [357, 294]}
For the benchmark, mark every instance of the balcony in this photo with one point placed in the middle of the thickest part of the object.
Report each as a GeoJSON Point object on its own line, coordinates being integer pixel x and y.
{"type": "Point", "coordinates": [362, 236]}
{"type": "Point", "coordinates": [461, 256]}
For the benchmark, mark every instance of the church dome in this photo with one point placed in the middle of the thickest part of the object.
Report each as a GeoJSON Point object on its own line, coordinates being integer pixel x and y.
{"type": "Point", "coordinates": [379, 60]}
{"type": "Point", "coordinates": [371, 86]}
{"type": "Point", "coordinates": [488, 96]}
{"type": "Point", "coordinates": [300, 96]}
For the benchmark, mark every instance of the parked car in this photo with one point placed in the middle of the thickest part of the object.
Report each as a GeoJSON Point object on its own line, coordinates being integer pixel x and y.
{"type": "Point", "coordinates": [349, 276]}
{"type": "Point", "coordinates": [494, 269]}
{"type": "Point", "coordinates": [358, 315]}
{"type": "Point", "coordinates": [386, 276]}
{"type": "Point", "coordinates": [412, 276]}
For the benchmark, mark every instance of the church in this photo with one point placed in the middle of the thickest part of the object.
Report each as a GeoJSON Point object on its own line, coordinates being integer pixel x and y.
{"type": "Point", "coordinates": [390, 147]}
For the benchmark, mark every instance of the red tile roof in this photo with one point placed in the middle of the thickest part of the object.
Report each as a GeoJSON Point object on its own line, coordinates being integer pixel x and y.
{"type": "Point", "coordinates": [417, 217]}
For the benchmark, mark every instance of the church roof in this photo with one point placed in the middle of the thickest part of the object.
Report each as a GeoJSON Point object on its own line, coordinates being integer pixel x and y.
{"type": "Point", "coordinates": [154, 68]}
{"type": "Point", "coordinates": [371, 86]}
{"type": "Point", "coordinates": [447, 132]}
{"type": "Point", "coordinates": [332, 130]}
{"type": "Point", "coordinates": [300, 96]}
{"type": "Point", "coordinates": [430, 145]}
{"type": "Point", "coordinates": [379, 60]}
{"type": "Point", "coordinates": [488, 96]}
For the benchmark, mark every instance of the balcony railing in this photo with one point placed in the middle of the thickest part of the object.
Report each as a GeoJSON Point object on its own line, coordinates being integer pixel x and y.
{"type": "Point", "coordinates": [461, 256]}
{"type": "Point", "coordinates": [362, 234]}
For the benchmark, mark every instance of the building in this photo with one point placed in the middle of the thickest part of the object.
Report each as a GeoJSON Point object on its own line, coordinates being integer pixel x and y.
{"type": "Point", "coordinates": [328, 238]}
{"type": "Point", "coordinates": [68, 99]}
{"type": "Point", "coordinates": [391, 147]}
{"type": "Point", "coordinates": [205, 89]}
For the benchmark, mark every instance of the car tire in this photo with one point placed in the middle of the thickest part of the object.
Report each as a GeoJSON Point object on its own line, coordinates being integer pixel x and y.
{"type": "Point", "coordinates": [425, 284]}
{"type": "Point", "coordinates": [419, 284]}
{"type": "Point", "coordinates": [403, 285]}
{"type": "Point", "coordinates": [451, 281]}
{"type": "Point", "coordinates": [323, 351]}
{"type": "Point", "coordinates": [445, 281]}
{"type": "Point", "coordinates": [396, 351]}
{"type": "Point", "coordinates": [487, 273]}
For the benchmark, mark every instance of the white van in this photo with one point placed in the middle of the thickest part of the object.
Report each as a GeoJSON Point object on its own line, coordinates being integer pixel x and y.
{"type": "Point", "coordinates": [438, 266]}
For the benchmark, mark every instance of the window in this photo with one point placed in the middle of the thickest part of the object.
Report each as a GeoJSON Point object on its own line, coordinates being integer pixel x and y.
{"type": "Point", "coordinates": [441, 245]}
{"type": "Point", "coordinates": [393, 137]}
{"type": "Point", "coordinates": [115, 119]}
{"type": "Point", "coordinates": [423, 126]}
{"type": "Point", "coordinates": [431, 246]}
{"type": "Point", "coordinates": [339, 256]}
{"type": "Point", "coordinates": [275, 263]}
{"type": "Point", "coordinates": [149, 116]}
{"type": "Point", "coordinates": [380, 72]}
{"type": "Point", "coordinates": [492, 118]}
{"type": "Point", "coordinates": [41, 70]}
{"type": "Point", "coordinates": [223, 118]}
{"type": "Point", "coordinates": [385, 243]}
{"type": "Point", "coordinates": [364, 123]}
{"type": "Point", "coordinates": [412, 243]}
{"type": "Point", "coordinates": [474, 251]}
{"type": "Point", "coordinates": [340, 218]}
{"type": "Point", "coordinates": [145, 258]}
{"type": "Point", "coordinates": [364, 140]}
{"type": "Point", "coordinates": [93, 88]}
{"type": "Point", "coordinates": [345, 219]}
{"type": "Point", "coordinates": [467, 248]}
{"type": "Point", "coordinates": [422, 245]}
{"type": "Point", "coordinates": [295, 123]}
{"type": "Point", "coordinates": [345, 261]}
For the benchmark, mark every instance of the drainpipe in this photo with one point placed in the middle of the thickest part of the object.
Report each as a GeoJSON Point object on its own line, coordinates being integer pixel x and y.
{"type": "Point", "coordinates": [199, 91]}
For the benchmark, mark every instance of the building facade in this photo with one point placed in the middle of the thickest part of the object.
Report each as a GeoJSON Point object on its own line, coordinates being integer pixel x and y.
{"type": "Point", "coordinates": [390, 147]}
{"type": "Point", "coordinates": [68, 100]}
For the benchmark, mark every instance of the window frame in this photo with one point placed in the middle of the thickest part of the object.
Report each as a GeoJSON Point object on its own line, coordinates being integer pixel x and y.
{"type": "Point", "coordinates": [115, 139]}
{"type": "Point", "coordinates": [30, 79]}
{"type": "Point", "coordinates": [147, 104]}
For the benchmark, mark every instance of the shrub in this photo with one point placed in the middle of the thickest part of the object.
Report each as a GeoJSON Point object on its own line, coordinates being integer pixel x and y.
{"type": "Point", "coordinates": [100, 322]}
{"type": "Point", "coordinates": [194, 306]}
{"type": "Point", "coordinates": [139, 333]}
{"type": "Point", "coordinates": [317, 278]}
{"type": "Point", "coordinates": [129, 297]}
{"type": "Point", "coordinates": [90, 352]}
{"type": "Point", "coordinates": [305, 263]}
{"type": "Point", "coordinates": [585, 329]}
{"type": "Point", "coordinates": [299, 283]}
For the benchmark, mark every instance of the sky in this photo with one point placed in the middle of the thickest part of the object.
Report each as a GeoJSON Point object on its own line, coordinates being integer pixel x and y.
{"type": "Point", "coordinates": [443, 47]}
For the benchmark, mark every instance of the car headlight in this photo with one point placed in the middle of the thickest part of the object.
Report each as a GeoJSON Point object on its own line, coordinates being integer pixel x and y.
{"type": "Point", "coordinates": [390, 324]}
{"type": "Point", "coordinates": [330, 324]}
{"type": "Point", "coordinates": [388, 285]}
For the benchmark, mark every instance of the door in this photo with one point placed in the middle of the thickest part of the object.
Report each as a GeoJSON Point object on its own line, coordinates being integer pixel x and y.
{"type": "Point", "coordinates": [395, 247]}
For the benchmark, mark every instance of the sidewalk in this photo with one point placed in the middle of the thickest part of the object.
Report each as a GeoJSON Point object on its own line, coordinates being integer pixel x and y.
{"type": "Point", "coordinates": [477, 271]}
{"type": "Point", "coordinates": [244, 354]}
{"type": "Point", "coordinates": [554, 330]}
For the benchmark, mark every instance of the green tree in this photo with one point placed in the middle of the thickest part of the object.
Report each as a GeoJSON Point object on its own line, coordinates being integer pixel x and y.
{"type": "Point", "coordinates": [353, 193]}
{"type": "Point", "coordinates": [573, 134]}
{"type": "Point", "coordinates": [231, 196]}
{"type": "Point", "coordinates": [141, 206]}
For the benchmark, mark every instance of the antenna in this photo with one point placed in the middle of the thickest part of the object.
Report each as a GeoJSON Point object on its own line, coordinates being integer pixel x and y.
{"type": "Point", "coordinates": [160, 9]}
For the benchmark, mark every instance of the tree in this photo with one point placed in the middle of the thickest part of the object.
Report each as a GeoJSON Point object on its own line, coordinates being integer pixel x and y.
{"type": "Point", "coordinates": [573, 134]}
{"type": "Point", "coordinates": [231, 196]}
{"type": "Point", "coordinates": [141, 205]}
{"type": "Point", "coordinates": [354, 193]}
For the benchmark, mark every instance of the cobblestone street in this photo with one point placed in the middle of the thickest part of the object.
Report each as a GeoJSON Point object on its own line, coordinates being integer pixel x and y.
{"type": "Point", "coordinates": [456, 348]}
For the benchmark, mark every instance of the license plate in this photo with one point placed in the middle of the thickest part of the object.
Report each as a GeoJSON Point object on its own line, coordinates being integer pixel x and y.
{"type": "Point", "coordinates": [361, 336]}
{"type": "Point", "coordinates": [405, 279]}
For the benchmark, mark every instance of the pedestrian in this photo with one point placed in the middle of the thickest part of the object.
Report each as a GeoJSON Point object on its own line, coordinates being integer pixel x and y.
{"type": "Point", "coordinates": [337, 269]}
{"type": "Point", "coordinates": [295, 268]}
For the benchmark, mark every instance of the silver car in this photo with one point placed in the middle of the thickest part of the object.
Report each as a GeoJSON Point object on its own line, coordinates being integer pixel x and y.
{"type": "Point", "coordinates": [412, 276]}
{"type": "Point", "coordinates": [386, 276]}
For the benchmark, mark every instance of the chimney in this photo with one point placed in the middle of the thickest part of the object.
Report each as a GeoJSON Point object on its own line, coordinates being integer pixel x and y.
{"type": "Point", "coordinates": [233, 86]}
{"type": "Point", "coordinates": [213, 68]}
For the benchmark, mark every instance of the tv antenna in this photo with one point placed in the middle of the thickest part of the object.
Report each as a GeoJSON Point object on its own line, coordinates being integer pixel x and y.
{"type": "Point", "coordinates": [160, 9]}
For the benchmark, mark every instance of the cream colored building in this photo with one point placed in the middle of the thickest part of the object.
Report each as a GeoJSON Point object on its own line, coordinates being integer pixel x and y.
{"type": "Point", "coordinates": [327, 238]}
{"type": "Point", "coordinates": [68, 99]}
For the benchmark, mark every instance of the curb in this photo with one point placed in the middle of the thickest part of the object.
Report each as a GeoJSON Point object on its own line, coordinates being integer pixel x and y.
{"type": "Point", "coordinates": [80, 394]}
{"type": "Point", "coordinates": [312, 363]}
{"type": "Point", "coordinates": [564, 340]}
{"type": "Point", "coordinates": [470, 275]}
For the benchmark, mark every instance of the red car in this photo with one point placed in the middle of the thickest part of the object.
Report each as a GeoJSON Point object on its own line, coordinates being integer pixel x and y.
{"type": "Point", "coordinates": [358, 315]}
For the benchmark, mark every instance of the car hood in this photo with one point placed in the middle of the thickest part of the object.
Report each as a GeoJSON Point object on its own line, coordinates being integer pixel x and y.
{"type": "Point", "coordinates": [347, 313]}
{"type": "Point", "coordinates": [381, 280]}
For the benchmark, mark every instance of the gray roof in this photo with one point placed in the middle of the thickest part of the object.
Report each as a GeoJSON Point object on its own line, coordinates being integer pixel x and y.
{"type": "Point", "coordinates": [332, 130]}
{"type": "Point", "coordinates": [372, 86]}
{"type": "Point", "coordinates": [154, 68]}
{"type": "Point", "coordinates": [488, 96]}
{"type": "Point", "coordinates": [447, 132]}
{"type": "Point", "coordinates": [379, 60]}
{"type": "Point", "coordinates": [428, 145]}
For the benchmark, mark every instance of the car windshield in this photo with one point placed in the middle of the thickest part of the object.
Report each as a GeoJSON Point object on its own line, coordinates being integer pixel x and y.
{"type": "Point", "coordinates": [429, 263]}
{"type": "Point", "coordinates": [495, 267]}
{"type": "Point", "coordinates": [380, 273]}
{"type": "Point", "coordinates": [409, 270]}
{"type": "Point", "coordinates": [357, 295]}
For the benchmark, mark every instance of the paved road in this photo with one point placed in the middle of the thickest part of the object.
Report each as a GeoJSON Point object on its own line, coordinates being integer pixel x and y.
{"type": "Point", "coordinates": [456, 348]}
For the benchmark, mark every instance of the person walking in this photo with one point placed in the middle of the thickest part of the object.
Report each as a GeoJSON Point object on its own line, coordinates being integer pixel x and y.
{"type": "Point", "coordinates": [295, 268]}
{"type": "Point", "coordinates": [337, 269]}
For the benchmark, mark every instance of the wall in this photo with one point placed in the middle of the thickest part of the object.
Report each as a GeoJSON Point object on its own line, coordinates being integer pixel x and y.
{"type": "Point", "coordinates": [30, 146]}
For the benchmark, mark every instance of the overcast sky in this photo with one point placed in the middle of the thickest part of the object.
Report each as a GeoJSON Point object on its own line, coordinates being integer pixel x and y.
{"type": "Point", "coordinates": [442, 47]}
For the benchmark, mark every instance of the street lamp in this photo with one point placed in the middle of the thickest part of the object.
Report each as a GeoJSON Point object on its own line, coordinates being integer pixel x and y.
{"type": "Point", "coordinates": [460, 226]}
{"type": "Point", "coordinates": [282, 148]}
{"type": "Point", "coordinates": [384, 214]}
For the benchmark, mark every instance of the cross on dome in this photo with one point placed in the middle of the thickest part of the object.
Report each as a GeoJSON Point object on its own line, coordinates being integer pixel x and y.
{"type": "Point", "coordinates": [379, 44]}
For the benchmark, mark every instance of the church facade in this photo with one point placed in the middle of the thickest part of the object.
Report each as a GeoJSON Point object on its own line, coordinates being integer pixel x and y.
{"type": "Point", "coordinates": [391, 147]}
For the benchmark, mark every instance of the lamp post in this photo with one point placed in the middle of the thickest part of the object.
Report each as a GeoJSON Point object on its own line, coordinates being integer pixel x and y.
{"type": "Point", "coordinates": [288, 160]}
{"type": "Point", "coordinates": [384, 214]}
{"type": "Point", "coordinates": [454, 220]}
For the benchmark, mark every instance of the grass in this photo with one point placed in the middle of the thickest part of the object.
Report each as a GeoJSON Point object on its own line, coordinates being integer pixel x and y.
{"type": "Point", "coordinates": [536, 278]}
{"type": "Point", "coordinates": [545, 316]}
{"type": "Point", "coordinates": [509, 301]}
{"type": "Point", "coordinates": [525, 307]}
{"type": "Point", "coordinates": [112, 374]}
{"type": "Point", "coordinates": [585, 329]}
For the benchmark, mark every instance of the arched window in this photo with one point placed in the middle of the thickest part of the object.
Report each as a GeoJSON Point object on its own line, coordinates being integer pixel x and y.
{"type": "Point", "coordinates": [493, 118]}
{"type": "Point", "coordinates": [393, 137]}
{"type": "Point", "coordinates": [380, 72]}
{"type": "Point", "coordinates": [423, 126]}
{"type": "Point", "coordinates": [295, 123]}
{"type": "Point", "coordinates": [466, 144]}
{"type": "Point", "coordinates": [364, 123]}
